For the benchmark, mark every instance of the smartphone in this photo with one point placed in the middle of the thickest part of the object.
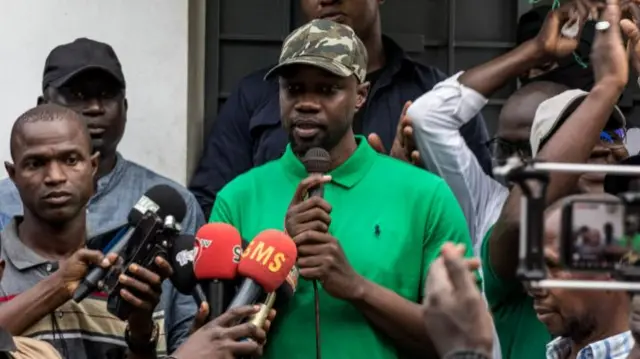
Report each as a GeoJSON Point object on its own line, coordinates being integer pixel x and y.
{"type": "Point", "coordinates": [596, 235]}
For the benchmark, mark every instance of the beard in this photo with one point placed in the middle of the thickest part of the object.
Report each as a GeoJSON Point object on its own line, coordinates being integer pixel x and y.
{"type": "Point", "coordinates": [576, 328]}
{"type": "Point", "coordinates": [327, 138]}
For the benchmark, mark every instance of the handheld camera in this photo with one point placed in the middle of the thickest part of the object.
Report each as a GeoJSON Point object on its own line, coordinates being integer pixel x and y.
{"type": "Point", "coordinates": [596, 235]}
{"type": "Point", "coordinates": [154, 237]}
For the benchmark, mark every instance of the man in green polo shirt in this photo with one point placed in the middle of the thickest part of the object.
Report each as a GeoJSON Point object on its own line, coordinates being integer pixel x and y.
{"type": "Point", "coordinates": [370, 241]}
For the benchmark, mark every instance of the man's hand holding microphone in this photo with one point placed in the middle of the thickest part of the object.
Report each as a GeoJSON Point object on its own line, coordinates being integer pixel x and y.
{"type": "Point", "coordinates": [320, 256]}
{"type": "Point", "coordinates": [142, 332]}
{"type": "Point", "coordinates": [223, 338]}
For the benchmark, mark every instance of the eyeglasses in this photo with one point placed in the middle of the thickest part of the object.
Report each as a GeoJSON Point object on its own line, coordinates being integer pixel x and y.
{"type": "Point", "coordinates": [614, 137]}
{"type": "Point", "coordinates": [502, 149]}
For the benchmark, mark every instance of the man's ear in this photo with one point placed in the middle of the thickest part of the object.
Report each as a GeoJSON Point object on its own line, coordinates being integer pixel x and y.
{"type": "Point", "coordinates": [361, 95]}
{"type": "Point", "coordinates": [95, 161]}
{"type": "Point", "coordinates": [41, 100]}
{"type": "Point", "coordinates": [11, 170]}
{"type": "Point", "coordinates": [126, 104]}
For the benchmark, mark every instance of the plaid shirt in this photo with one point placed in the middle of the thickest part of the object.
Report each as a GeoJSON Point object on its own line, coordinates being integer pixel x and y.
{"type": "Point", "coordinates": [615, 347]}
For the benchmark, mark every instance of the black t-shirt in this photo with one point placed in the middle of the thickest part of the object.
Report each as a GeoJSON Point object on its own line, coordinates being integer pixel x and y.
{"type": "Point", "coordinates": [372, 77]}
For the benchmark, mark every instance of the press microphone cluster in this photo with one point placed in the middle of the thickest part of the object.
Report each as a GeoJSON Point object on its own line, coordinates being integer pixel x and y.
{"type": "Point", "coordinates": [233, 272]}
{"type": "Point", "coordinates": [152, 226]}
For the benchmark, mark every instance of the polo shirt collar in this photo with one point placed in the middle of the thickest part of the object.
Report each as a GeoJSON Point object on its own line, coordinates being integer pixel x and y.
{"type": "Point", "coordinates": [21, 256]}
{"type": "Point", "coordinates": [346, 175]}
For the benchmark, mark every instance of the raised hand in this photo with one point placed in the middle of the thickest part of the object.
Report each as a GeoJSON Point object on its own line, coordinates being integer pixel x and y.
{"type": "Point", "coordinates": [455, 314]}
{"type": "Point", "coordinates": [632, 32]}
{"type": "Point", "coordinates": [608, 55]}
{"type": "Point", "coordinates": [403, 147]}
{"type": "Point", "coordinates": [552, 40]}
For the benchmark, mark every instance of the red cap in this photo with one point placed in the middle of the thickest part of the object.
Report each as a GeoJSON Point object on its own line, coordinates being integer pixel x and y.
{"type": "Point", "coordinates": [217, 251]}
{"type": "Point", "coordinates": [268, 259]}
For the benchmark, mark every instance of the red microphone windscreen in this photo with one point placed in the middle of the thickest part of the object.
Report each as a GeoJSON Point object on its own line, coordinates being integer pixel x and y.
{"type": "Point", "coordinates": [268, 259]}
{"type": "Point", "coordinates": [218, 251]}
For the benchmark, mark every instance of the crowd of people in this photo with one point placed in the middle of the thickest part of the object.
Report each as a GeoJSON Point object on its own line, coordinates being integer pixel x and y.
{"type": "Point", "coordinates": [413, 244]}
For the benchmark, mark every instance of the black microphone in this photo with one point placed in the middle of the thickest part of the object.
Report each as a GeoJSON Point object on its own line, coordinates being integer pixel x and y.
{"type": "Point", "coordinates": [161, 201]}
{"type": "Point", "coordinates": [183, 278]}
{"type": "Point", "coordinates": [317, 160]}
{"type": "Point", "coordinates": [286, 291]}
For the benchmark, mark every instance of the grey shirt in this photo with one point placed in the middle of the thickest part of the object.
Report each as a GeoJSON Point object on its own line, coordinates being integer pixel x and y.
{"type": "Point", "coordinates": [77, 330]}
{"type": "Point", "coordinates": [107, 210]}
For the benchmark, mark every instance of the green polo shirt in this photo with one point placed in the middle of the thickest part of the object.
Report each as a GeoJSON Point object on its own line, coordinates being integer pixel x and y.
{"type": "Point", "coordinates": [521, 334]}
{"type": "Point", "coordinates": [391, 219]}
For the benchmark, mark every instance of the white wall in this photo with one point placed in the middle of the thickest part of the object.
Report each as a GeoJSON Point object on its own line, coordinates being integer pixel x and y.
{"type": "Point", "coordinates": [151, 38]}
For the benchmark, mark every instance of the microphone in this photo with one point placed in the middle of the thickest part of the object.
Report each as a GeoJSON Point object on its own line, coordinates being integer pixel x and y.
{"type": "Point", "coordinates": [217, 253]}
{"type": "Point", "coordinates": [317, 160]}
{"type": "Point", "coordinates": [181, 258]}
{"type": "Point", "coordinates": [286, 291]}
{"type": "Point", "coordinates": [159, 201]}
{"type": "Point", "coordinates": [265, 265]}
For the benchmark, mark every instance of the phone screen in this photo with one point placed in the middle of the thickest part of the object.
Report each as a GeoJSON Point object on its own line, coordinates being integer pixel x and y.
{"type": "Point", "coordinates": [596, 238]}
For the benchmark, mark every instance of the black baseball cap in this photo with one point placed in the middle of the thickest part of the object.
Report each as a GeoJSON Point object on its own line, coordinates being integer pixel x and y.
{"type": "Point", "coordinates": [68, 60]}
{"type": "Point", "coordinates": [616, 184]}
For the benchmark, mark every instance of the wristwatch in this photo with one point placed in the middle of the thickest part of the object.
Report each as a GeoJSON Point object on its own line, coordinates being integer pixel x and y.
{"type": "Point", "coordinates": [465, 354]}
{"type": "Point", "coordinates": [140, 348]}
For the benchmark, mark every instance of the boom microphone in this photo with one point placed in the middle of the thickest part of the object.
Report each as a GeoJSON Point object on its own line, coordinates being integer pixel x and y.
{"type": "Point", "coordinates": [217, 253]}
{"type": "Point", "coordinates": [265, 265]}
{"type": "Point", "coordinates": [160, 201]}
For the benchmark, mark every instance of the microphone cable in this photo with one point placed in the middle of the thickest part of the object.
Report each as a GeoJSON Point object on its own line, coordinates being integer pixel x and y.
{"type": "Point", "coordinates": [316, 300]}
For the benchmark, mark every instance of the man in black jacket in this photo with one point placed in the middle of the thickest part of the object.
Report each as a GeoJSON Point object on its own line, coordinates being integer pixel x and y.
{"type": "Point", "coordinates": [247, 132]}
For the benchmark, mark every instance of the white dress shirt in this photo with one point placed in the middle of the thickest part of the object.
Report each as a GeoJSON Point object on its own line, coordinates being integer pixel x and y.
{"type": "Point", "coordinates": [437, 117]}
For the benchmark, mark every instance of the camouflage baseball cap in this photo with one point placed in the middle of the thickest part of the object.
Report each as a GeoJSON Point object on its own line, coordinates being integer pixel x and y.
{"type": "Point", "coordinates": [326, 44]}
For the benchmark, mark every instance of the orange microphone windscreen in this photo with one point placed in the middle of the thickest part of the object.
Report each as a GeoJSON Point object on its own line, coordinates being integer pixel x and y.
{"type": "Point", "coordinates": [268, 259]}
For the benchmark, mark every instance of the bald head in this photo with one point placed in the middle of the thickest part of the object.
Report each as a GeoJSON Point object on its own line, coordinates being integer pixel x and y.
{"type": "Point", "coordinates": [518, 112]}
{"type": "Point", "coordinates": [46, 113]}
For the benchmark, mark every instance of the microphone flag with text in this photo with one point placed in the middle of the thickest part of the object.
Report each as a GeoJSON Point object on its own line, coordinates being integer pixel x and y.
{"type": "Point", "coordinates": [181, 258]}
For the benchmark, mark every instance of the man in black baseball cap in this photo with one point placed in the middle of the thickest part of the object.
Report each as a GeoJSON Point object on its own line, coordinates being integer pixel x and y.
{"type": "Point", "coordinates": [70, 60]}
{"type": "Point", "coordinates": [86, 76]}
